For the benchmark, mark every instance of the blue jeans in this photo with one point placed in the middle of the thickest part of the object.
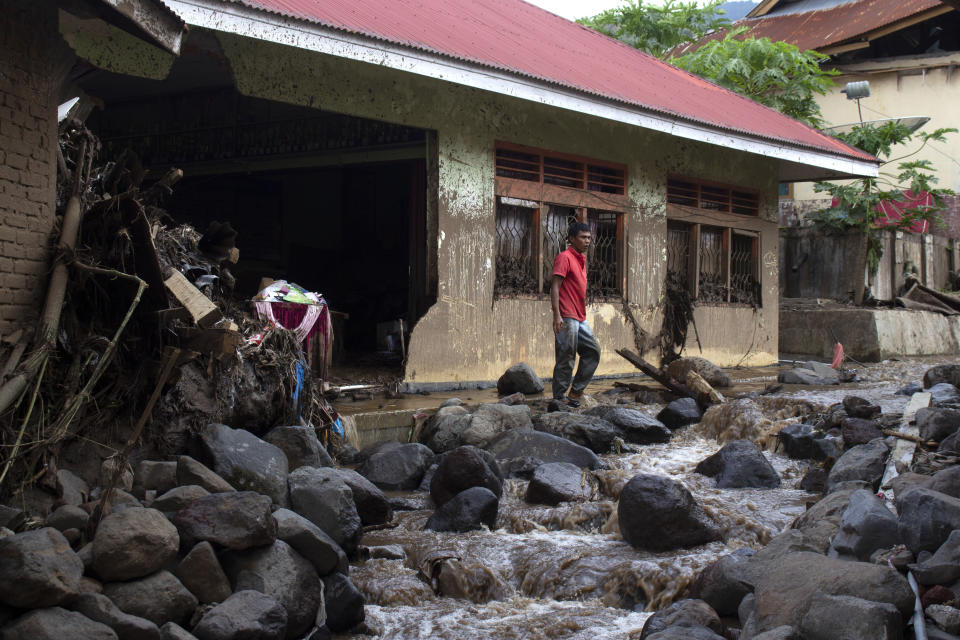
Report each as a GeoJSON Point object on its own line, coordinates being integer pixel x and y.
{"type": "Point", "coordinates": [574, 338]}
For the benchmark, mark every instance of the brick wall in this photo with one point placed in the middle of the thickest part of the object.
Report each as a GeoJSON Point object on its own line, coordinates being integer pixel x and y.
{"type": "Point", "coordinates": [28, 167]}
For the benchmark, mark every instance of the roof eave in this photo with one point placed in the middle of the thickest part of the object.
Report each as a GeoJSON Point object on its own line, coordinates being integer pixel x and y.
{"type": "Point", "coordinates": [241, 20]}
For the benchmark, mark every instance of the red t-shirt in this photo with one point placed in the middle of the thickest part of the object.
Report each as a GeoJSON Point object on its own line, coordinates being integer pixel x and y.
{"type": "Point", "coordinates": [571, 265]}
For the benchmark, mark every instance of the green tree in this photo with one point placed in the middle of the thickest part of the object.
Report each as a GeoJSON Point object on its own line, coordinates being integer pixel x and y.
{"type": "Point", "coordinates": [659, 29]}
{"type": "Point", "coordinates": [776, 74]}
{"type": "Point", "coordinates": [857, 204]}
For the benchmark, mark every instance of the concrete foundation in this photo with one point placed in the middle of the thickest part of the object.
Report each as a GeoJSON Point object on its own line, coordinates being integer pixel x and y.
{"type": "Point", "coordinates": [868, 335]}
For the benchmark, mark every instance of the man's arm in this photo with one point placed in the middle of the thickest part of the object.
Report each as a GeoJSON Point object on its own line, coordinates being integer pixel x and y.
{"type": "Point", "coordinates": [555, 303]}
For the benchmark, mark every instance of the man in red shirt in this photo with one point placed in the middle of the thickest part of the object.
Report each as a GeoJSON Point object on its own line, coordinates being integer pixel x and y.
{"type": "Point", "coordinates": [568, 297]}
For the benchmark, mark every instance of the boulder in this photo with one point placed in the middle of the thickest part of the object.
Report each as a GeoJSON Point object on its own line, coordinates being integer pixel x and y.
{"type": "Point", "coordinates": [936, 423]}
{"type": "Point", "coordinates": [950, 445]}
{"type": "Point", "coordinates": [945, 617]}
{"type": "Point", "coordinates": [943, 567]}
{"type": "Point", "coordinates": [245, 614]}
{"type": "Point", "coordinates": [462, 468]}
{"type": "Point", "coordinates": [12, 518]}
{"type": "Point", "coordinates": [681, 614]}
{"type": "Point", "coordinates": [740, 464]}
{"type": "Point", "coordinates": [944, 394]}
{"type": "Point", "coordinates": [442, 431]}
{"type": "Point", "coordinates": [945, 481]}
{"type": "Point", "coordinates": [633, 426]}
{"type": "Point", "coordinates": [941, 373]}
{"type": "Point", "coordinates": [828, 447]}
{"type": "Point", "coordinates": [67, 517]}
{"type": "Point", "coordinates": [680, 413]}
{"type": "Point", "coordinates": [100, 608]}
{"type": "Point", "coordinates": [864, 462]}
{"type": "Point", "coordinates": [321, 496]}
{"type": "Point", "coordinates": [926, 518]}
{"type": "Point", "coordinates": [246, 462]}
{"type": "Point", "coordinates": [343, 603]}
{"type": "Point", "coordinates": [797, 440]}
{"type": "Point", "coordinates": [192, 472]}
{"type": "Point", "coordinates": [857, 407]}
{"type": "Point", "coordinates": [72, 488]}
{"type": "Point", "coordinates": [173, 631]}
{"type": "Point", "coordinates": [56, 623]}
{"type": "Point", "coordinates": [372, 506]}
{"type": "Point", "coordinates": [519, 378]}
{"type": "Point", "coordinates": [490, 420]}
{"type": "Point", "coordinates": [591, 432]}
{"type": "Point", "coordinates": [178, 498]}
{"type": "Point", "coordinates": [301, 446]}
{"type": "Point", "coordinates": [723, 584]}
{"type": "Point", "coordinates": [469, 510]}
{"type": "Point", "coordinates": [116, 473]}
{"type": "Point", "coordinates": [557, 482]}
{"type": "Point", "coordinates": [282, 573]}
{"type": "Point", "coordinates": [692, 632]}
{"type": "Point", "coordinates": [201, 573]}
{"type": "Point", "coordinates": [659, 514]}
{"type": "Point", "coordinates": [866, 525]}
{"type": "Point", "coordinates": [802, 375]}
{"type": "Point", "coordinates": [153, 475]}
{"type": "Point", "coordinates": [786, 632]}
{"type": "Point", "coordinates": [311, 542]}
{"type": "Point", "coordinates": [714, 375]}
{"type": "Point", "coordinates": [397, 469]}
{"type": "Point", "coordinates": [519, 467]}
{"type": "Point", "coordinates": [133, 543]}
{"type": "Point", "coordinates": [38, 569]}
{"type": "Point", "coordinates": [513, 398]}
{"type": "Point", "coordinates": [909, 389]}
{"type": "Point", "coordinates": [521, 443]}
{"type": "Point", "coordinates": [159, 598]}
{"type": "Point", "coordinates": [786, 590]}
{"type": "Point", "coordinates": [236, 520]}
{"type": "Point", "coordinates": [859, 431]}
{"type": "Point", "coordinates": [841, 616]}
{"type": "Point", "coordinates": [451, 402]}
{"type": "Point", "coordinates": [822, 521]}
{"type": "Point", "coordinates": [814, 481]}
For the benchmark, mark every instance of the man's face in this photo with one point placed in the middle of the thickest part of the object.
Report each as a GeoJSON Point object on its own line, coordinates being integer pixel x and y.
{"type": "Point", "coordinates": [581, 241]}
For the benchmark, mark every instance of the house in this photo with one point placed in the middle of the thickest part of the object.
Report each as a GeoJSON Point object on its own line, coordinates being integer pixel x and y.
{"type": "Point", "coordinates": [420, 161]}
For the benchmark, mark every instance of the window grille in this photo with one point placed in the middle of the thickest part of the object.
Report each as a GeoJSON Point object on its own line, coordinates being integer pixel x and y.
{"type": "Point", "coordinates": [712, 197]}
{"type": "Point", "coordinates": [564, 171]}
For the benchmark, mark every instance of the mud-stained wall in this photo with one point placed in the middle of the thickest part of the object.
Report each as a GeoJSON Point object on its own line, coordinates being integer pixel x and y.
{"type": "Point", "coordinates": [467, 335]}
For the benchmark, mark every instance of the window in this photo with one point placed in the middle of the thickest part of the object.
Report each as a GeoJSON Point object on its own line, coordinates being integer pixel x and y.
{"type": "Point", "coordinates": [712, 197]}
{"type": "Point", "coordinates": [715, 264]}
{"type": "Point", "coordinates": [539, 194]}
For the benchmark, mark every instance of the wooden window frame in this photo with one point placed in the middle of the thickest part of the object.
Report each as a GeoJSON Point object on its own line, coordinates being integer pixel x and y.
{"type": "Point", "coordinates": [725, 197]}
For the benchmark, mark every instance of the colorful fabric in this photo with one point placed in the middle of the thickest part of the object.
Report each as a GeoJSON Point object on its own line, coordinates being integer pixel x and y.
{"type": "Point", "coordinates": [287, 305]}
{"type": "Point", "coordinates": [283, 291]}
{"type": "Point", "coordinates": [838, 356]}
{"type": "Point", "coordinates": [571, 265]}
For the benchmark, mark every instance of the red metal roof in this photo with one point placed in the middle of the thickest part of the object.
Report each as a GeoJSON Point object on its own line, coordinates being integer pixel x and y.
{"type": "Point", "coordinates": [826, 27]}
{"type": "Point", "coordinates": [517, 37]}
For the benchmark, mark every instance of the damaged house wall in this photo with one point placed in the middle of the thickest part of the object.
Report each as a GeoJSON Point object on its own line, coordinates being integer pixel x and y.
{"type": "Point", "coordinates": [467, 335]}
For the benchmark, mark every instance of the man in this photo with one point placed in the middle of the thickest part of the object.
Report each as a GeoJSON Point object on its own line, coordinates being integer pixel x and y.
{"type": "Point", "coordinates": [568, 297]}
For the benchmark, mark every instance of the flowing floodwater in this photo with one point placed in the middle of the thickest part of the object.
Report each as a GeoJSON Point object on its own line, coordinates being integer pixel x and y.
{"type": "Point", "coordinates": [565, 572]}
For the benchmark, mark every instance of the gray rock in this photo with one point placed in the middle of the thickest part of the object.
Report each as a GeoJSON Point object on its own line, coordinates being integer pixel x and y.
{"type": "Point", "coordinates": [372, 505]}
{"type": "Point", "coordinates": [321, 496]}
{"type": "Point", "coordinates": [11, 518]}
{"type": "Point", "coordinates": [311, 542]}
{"type": "Point", "coordinates": [38, 569]}
{"type": "Point", "coordinates": [683, 614]}
{"type": "Point", "coordinates": [100, 608]}
{"type": "Point", "coordinates": [469, 510]}
{"type": "Point", "coordinates": [246, 461]}
{"type": "Point", "coordinates": [400, 468]}
{"type": "Point", "coordinates": [68, 517]}
{"type": "Point", "coordinates": [190, 471]}
{"type": "Point", "coordinates": [153, 475]}
{"type": "Point", "coordinates": [945, 617]}
{"type": "Point", "coordinates": [941, 373]}
{"type": "Point", "coordinates": [785, 632]}
{"type": "Point", "coordinates": [866, 525]}
{"type": "Point", "coordinates": [693, 632]}
{"type": "Point", "coordinates": [281, 572]}
{"type": "Point", "coordinates": [936, 423]}
{"type": "Point", "coordinates": [714, 375]}
{"type": "Point", "coordinates": [804, 376]}
{"type": "Point", "coordinates": [797, 440]}
{"type": "Point", "coordinates": [557, 482]}
{"type": "Point", "coordinates": [521, 443]}
{"type": "Point", "coordinates": [56, 623]}
{"type": "Point", "coordinates": [245, 614]}
{"type": "Point", "coordinates": [822, 369]}
{"type": "Point", "coordinates": [926, 518]}
{"type": "Point", "coordinates": [944, 394]}
{"type": "Point", "coordinates": [659, 514]}
{"type": "Point", "coordinates": [236, 520]}
{"type": "Point", "coordinates": [591, 432]}
{"type": "Point", "coordinates": [178, 498]}
{"type": "Point", "coordinates": [943, 567]}
{"type": "Point", "coordinates": [859, 431]}
{"type": "Point", "coordinates": [113, 472]}
{"type": "Point", "coordinates": [451, 402]}
{"type": "Point", "coordinates": [443, 430]}
{"type": "Point", "coordinates": [839, 616]}
{"type": "Point", "coordinates": [173, 631]}
{"type": "Point", "coordinates": [133, 543]}
{"type": "Point", "coordinates": [863, 462]}
{"type": "Point", "coordinates": [786, 590]}
{"type": "Point", "coordinates": [72, 488]}
{"type": "Point", "coordinates": [201, 573]}
{"type": "Point", "coordinates": [519, 378]}
{"type": "Point", "coordinates": [740, 464]}
{"type": "Point", "coordinates": [822, 520]}
{"type": "Point", "coordinates": [950, 445]}
{"type": "Point", "coordinates": [633, 426]}
{"type": "Point", "coordinates": [301, 446]}
{"type": "Point", "coordinates": [680, 413]}
{"type": "Point", "coordinates": [723, 584]}
{"type": "Point", "coordinates": [387, 552]}
{"type": "Point", "coordinates": [462, 468]}
{"type": "Point", "coordinates": [159, 598]}
{"type": "Point", "coordinates": [343, 603]}
{"type": "Point", "coordinates": [857, 407]}
{"type": "Point", "coordinates": [946, 481]}
{"type": "Point", "coordinates": [513, 398]}
{"type": "Point", "coordinates": [490, 420]}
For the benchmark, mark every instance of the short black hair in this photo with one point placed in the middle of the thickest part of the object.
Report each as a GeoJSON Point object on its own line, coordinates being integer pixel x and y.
{"type": "Point", "coordinates": [576, 228]}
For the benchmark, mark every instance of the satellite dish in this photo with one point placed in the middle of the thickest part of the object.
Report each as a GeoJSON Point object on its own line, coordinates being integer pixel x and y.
{"type": "Point", "coordinates": [910, 122]}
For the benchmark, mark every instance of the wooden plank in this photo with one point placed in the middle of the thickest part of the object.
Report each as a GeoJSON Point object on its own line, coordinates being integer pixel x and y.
{"type": "Point", "coordinates": [903, 449]}
{"type": "Point", "coordinates": [215, 341]}
{"type": "Point", "coordinates": [655, 373]}
{"type": "Point", "coordinates": [203, 311]}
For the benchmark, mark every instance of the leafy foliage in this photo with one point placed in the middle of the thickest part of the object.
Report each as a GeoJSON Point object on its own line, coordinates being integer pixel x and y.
{"type": "Point", "coordinates": [659, 29]}
{"type": "Point", "coordinates": [776, 74]}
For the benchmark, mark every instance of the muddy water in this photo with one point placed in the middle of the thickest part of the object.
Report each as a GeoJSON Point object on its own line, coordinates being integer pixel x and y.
{"type": "Point", "coordinates": [565, 572]}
